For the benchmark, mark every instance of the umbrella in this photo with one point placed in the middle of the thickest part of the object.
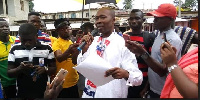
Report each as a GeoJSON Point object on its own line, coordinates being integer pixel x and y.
{"type": "Point", "coordinates": [94, 1]}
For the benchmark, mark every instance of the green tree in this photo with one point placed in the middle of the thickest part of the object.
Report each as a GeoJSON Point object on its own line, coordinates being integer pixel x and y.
{"type": "Point", "coordinates": [31, 5]}
{"type": "Point", "coordinates": [127, 4]}
{"type": "Point", "coordinates": [188, 5]}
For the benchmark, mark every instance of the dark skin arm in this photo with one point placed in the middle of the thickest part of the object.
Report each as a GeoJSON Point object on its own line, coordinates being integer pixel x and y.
{"type": "Point", "coordinates": [74, 57]}
{"type": "Point", "coordinates": [88, 38]}
{"type": "Point", "coordinates": [138, 50]}
{"type": "Point", "coordinates": [181, 81]}
{"type": "Point", "coordinates": [63, 56]}
{"type": "Point", "coordinates": [15, 71]}
{"type": "Point", "coordinates": [142, 93]}
{"type": "Point", "coordinates": [117, 73]}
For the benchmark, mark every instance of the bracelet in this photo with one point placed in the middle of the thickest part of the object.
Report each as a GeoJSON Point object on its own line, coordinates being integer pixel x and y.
{"type": "Point", "coordinates": [172, 67]}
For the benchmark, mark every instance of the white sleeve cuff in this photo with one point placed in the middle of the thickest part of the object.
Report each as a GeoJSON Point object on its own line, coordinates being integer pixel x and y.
{"type": "Point", "coordinates": [135, 78]}
{"type": "Point", "coordinates": [81, 57]}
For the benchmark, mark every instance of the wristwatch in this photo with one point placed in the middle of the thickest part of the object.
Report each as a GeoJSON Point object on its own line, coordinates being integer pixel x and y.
{"type": "Point", "coordinates": [145, 55]}
{"type": "Point", "coordinates": [46, 68]}
{"type": "Point", "coordinates": [172, 67]}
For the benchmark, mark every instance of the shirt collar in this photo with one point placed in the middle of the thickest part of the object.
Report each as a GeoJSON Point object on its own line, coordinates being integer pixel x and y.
{"type": "Point", "coordinates": [168, 31]}
{"type": "Point", "coordinates": [38, 44]}
{"type": "Point", "coordinates": [11, 40]}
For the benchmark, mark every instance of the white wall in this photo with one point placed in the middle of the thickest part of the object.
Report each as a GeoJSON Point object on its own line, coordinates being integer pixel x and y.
{"type": "Point", "coordinates": [14, 11]}
{"type": "Point", "coordinates": [11, 8]}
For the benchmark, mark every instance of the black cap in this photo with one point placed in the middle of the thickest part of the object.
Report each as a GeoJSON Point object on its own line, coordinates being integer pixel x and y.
{"type": "Point", "coordinates": [61, 22]}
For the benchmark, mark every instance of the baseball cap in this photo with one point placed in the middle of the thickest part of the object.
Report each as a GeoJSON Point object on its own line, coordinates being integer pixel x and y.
{"type": "Point", "coordinates": [163, 10]}
{"type": "Point", "coordinates": [60, 22]}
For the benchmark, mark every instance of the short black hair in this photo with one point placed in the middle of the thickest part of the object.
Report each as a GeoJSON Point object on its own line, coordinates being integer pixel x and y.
{"type": "Point", "coordinates": [2, 19]}
{"type": "Point", "coordinates": [27, 30]}
{"type": "Point", "coordinates": [137, 10]}
{"type": "Point", "coordinates": [58, 21]}
{"type": "Point", "coordinates": [87, 24]}
{"type": "Point", "coordinates": [33, 13]}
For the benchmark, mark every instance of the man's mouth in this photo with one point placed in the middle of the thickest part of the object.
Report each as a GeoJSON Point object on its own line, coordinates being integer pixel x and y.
{"type": "Point", "coordinates": [99, 27]}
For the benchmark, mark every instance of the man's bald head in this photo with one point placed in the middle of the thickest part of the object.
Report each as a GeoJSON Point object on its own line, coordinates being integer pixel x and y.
{"type": "Point", "coordinates": [112, 12]}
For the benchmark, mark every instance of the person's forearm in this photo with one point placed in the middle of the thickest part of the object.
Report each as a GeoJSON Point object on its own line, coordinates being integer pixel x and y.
{"type": "Point", "coordinates": [63, 57]}
{"type": "Point", "coordinates": [74, 58]}
{"type": "Point", "coordinates": [14, 72]}
{"type": "Point", "coordinates": [184, 85]}
{"type": "Point", "coordinates": [160, 69]}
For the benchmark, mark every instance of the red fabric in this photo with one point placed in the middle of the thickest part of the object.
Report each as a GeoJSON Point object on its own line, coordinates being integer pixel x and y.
{"type": "Point", "coordinates": [142, 65]}
{"type": "Point", "coordinates": [144, 74]}
{"type": "Point", "coordinates": [187, 59]}
{"type": "Point", "coordinates": [165, 9]}
{"type": "Point", "coordinates": [137, 38]}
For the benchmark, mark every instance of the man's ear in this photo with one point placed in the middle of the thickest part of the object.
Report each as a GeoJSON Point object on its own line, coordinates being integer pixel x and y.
{"type": "Point", "coordinates": [114, 20]}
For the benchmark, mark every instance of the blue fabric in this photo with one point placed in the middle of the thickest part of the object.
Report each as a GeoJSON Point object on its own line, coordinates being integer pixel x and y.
{"type": "Point", "coordinates": [1, 93]}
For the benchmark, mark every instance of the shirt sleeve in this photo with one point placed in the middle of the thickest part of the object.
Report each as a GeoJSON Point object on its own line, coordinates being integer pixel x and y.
{"type": "Point", "coordinates": [81, 57]}
{"type": "Point", "coordinates": [51, 54]}
{"type": "Point", "coordinates": [11, 56]}
{"type": "Point", "coordinates": [129, 63]}
{"type": "Point", "coordinates": [55, 46]}
{"type": "Point", "coordinates": [177, 43]}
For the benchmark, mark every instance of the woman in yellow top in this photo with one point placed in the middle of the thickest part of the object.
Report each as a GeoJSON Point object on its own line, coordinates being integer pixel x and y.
{"type": "Point", "coordinates": [65, 51]}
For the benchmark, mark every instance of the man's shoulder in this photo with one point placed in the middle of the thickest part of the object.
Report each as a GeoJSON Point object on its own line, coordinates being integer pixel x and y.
{"type": "Point", "coordinates": [16, 47]}
{"type": "Point", "coordinates": [44, 45]}
{"type": "Point", "coordinates": [44, 34]}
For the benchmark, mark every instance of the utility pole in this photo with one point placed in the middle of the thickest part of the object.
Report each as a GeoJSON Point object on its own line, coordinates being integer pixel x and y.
{"type": "Point", "coordinates": [143, 5]}
{"type": "Point", "coordinates": [179, 9]}
{"type": "Point", "coordinates": [4, 7]}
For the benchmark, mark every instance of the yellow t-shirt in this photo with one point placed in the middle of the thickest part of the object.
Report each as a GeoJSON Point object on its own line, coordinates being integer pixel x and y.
{"type": "Point", "coordinates": [72, 77]}
{"type": "Point", "coordinates": [53, 39]}
{"type": "Point", "coordinates": [5, 48]}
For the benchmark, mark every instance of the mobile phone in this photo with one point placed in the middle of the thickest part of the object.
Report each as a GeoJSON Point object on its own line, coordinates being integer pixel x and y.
{"type": "Point", "coordinates": [61, 75]}
{"type": "Point", "coordinates": [126, 37]}
{"type": "Point", "coordinates": [27, 62]}
{"type": "Point", "coordinates": [165, 38]}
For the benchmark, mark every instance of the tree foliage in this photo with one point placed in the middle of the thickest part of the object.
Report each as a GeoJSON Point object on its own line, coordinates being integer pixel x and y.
{"type": "Point", "coordinates": [188, 5]}
{"type": "Point", "coordinates": [127, 4]}
{"type": "Point", "coordinates": [31, 5]}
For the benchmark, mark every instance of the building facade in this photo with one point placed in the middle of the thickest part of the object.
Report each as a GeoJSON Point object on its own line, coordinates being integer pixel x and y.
{"type": "Point", "coordinates": [13, 10]}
